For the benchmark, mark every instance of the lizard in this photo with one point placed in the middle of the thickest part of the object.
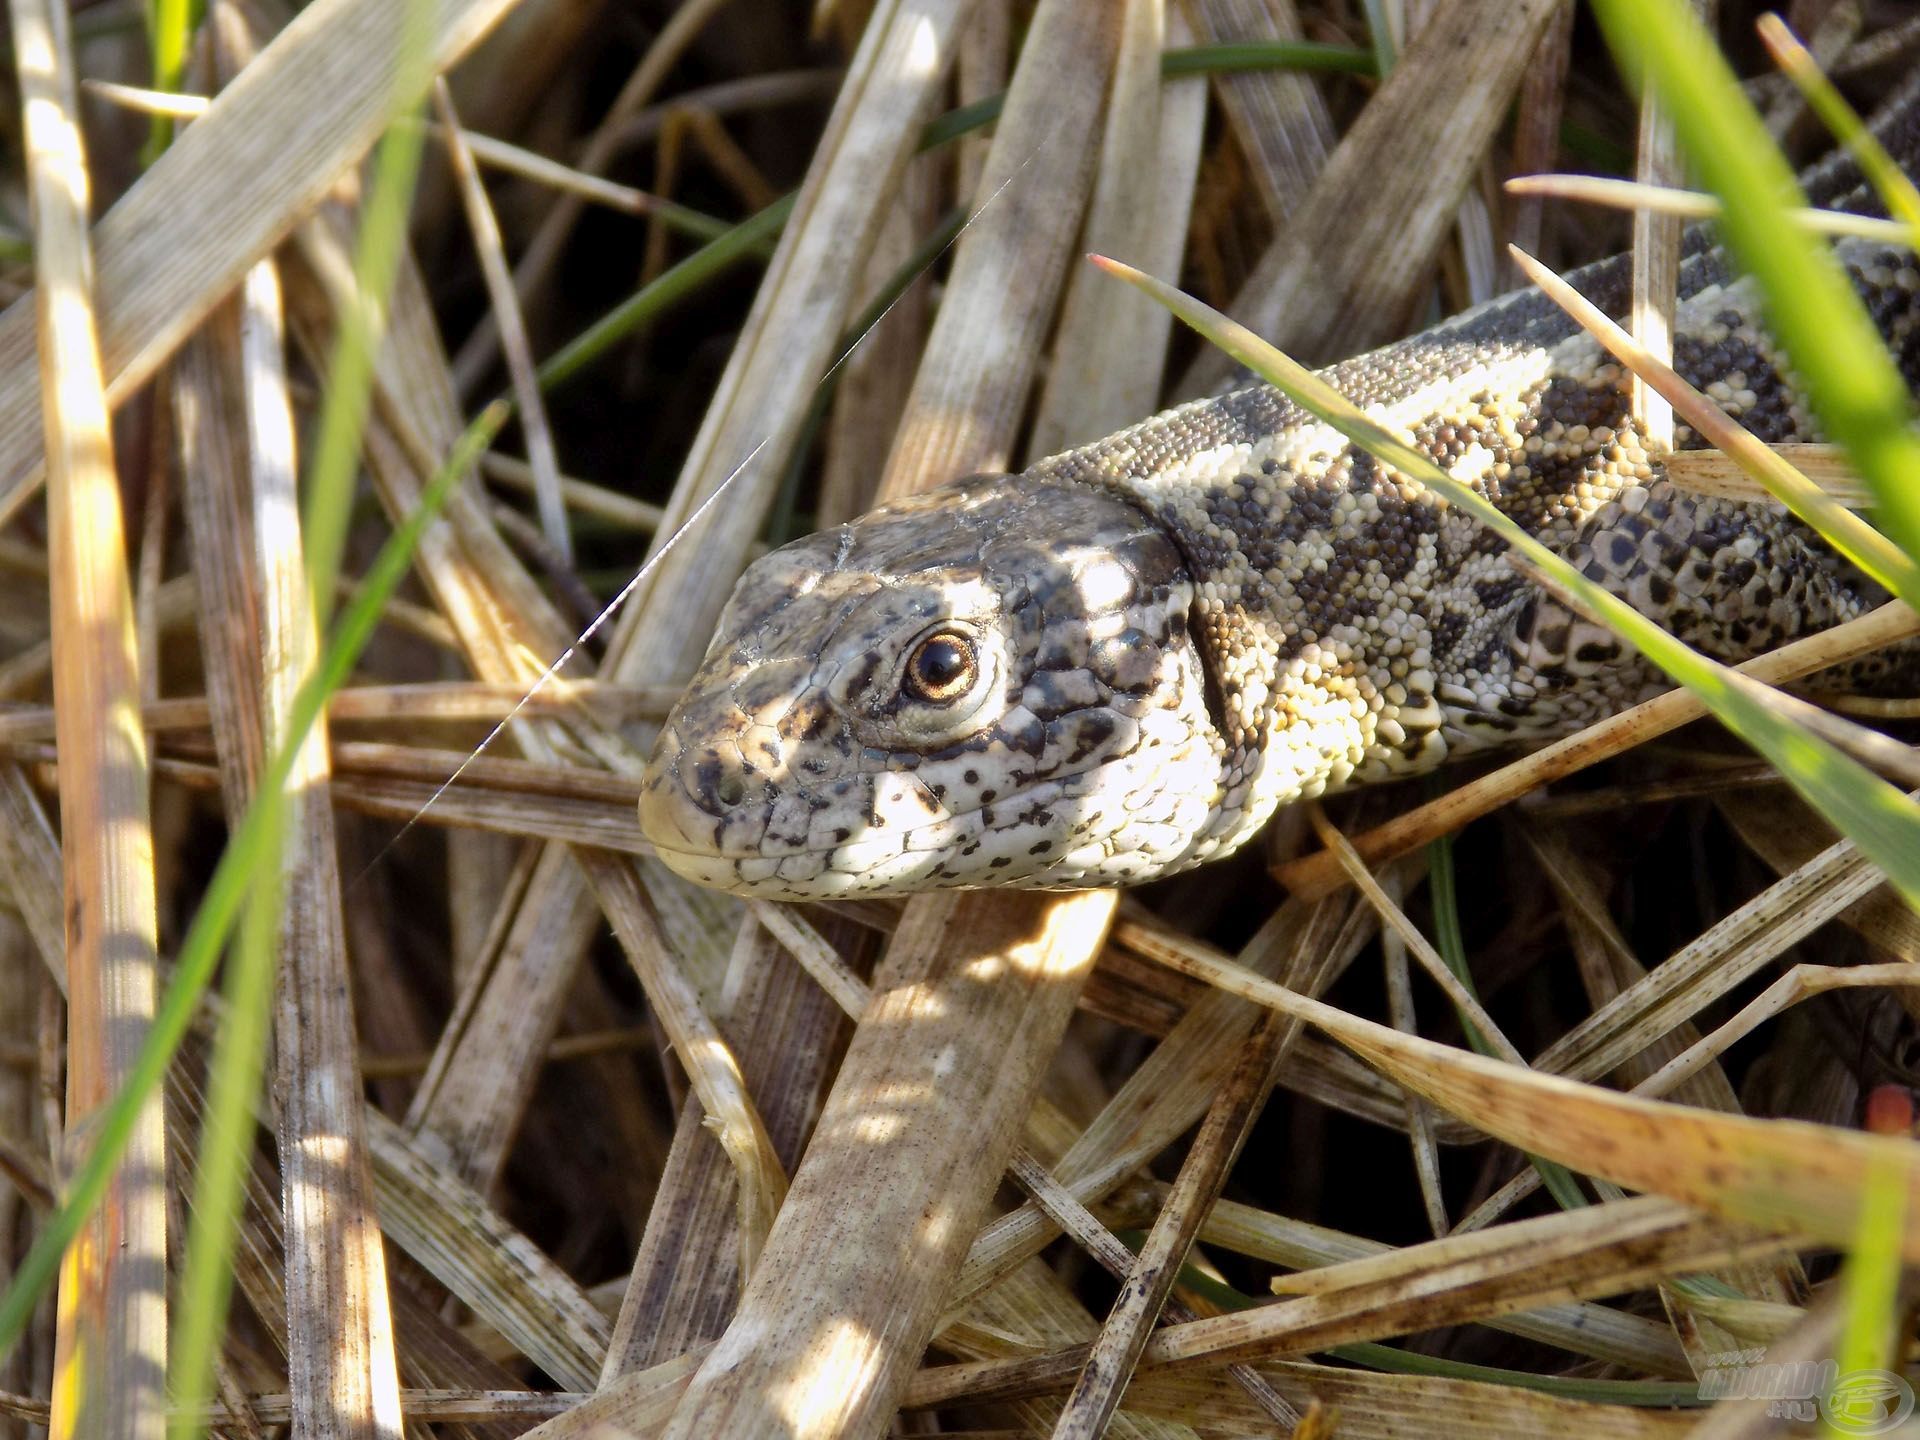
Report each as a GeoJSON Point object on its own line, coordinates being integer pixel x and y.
{"type": "Point", "coordinates": [1119, 662]}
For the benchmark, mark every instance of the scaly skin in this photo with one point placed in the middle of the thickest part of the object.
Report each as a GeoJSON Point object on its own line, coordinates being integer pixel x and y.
{"type": "Point", "coordinates": [1227, 608]}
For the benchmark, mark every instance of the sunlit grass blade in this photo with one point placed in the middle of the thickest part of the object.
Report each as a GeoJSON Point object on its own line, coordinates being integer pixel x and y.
{"type": "Point", "coordinates": [1708, 472]}
{"type": "Point", "coordinates": [1812, 310]}
{"type": "Point", "coordinates": [1617, 194]}
{"type": "Point", "coordinates": [1797, 62]}
{"type": "Point", "coordinates": [1853, 537]}
{"type": "Point", "coordinates": [233, 878]}
{"type": "Point", "coordinates": [1881, 820]}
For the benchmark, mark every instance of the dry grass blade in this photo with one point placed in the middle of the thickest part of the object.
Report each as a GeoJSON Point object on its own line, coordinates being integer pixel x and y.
{"type": "Point", "coordinates": [1355, 1405]}
{"type": "Point", "coordinates": [1800, 983]}
{"type": "Point", "coordinates": [223, 194]}
{"type": "Point", "coordinates": [1109, 350]}
{"type": "Point", "coordinates": [531, 408]}
{"type": "Point", "coordinates": [1602, 1250]}
{"type": "Point", "coordinates": [1331, 285]}
{"type": "Point", "coordinates": [1009, 266]}
{"type": "Point", "coordinates": [788, 339]}
{"type": "Point", "coordinates": [1436, 969]}
{"type": "Point", "coordinates": [171, 608]}
{"type": "Point", "coordinates": [857, 1265]}
{"type": "Point", "coordinates": [595, 500]}
{"type": "Point", "coordinates": [30, 863]}
{"type": "Point", "coordinates": [112, 1326]}
{"type": "Point", "coordinates": [1149, 1281]}
{"type": "Point", "coordinates": [488, 1264]}
{"type": "Point", "coordinates": [1537, 117]}
{"type": "Point", "coordinates": [1656, 266]}
{"type": "Point", "coordinates": [1306, 945]}
{"type": "Point", "coordinates": [1278, 117]}
{"type": "Point", "coordinates": [1583, 1328]}
{"type": "Point", "coordinates": [1714, 962]}
{"type": "Point", "coordinates": [1075, 1220]}
{"type": "Point", "coordinates": [1708, 472]}
{"type": "Point", "coordinates": [1320, 873]}
{"type": "Point", "coordinates": [1782, 831]}
{"type": "Point", "coordinates": [536, 266]}
{"type": "Point", "coordinates": [637, 1404]}
{"type": "Point", "coordinates": [710, 1063]}
{"type": "Point", "coordinates": [685, 1279]}
{"type": "Point", "coordinates": [1690, 205]}
{"type": "Point", "coordinates": [816, 956]}
{"type": "Point", "coordinates": [1864, 545]}
{"type": "Point", "coordinates": [1778, 1174]}
{"type": "Point", "coordinates": [1418, 1114]}
{"type": "Point", "coordinates": [236, 426]}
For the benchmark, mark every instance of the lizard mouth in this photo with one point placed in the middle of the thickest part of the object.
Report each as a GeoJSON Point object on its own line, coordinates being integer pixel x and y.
{"type": "Point", "coordinates": [709, 836]}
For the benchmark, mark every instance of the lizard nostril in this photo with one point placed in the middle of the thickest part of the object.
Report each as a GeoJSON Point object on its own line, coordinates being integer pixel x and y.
{"type": "Point", "coordinates": [716, 785]}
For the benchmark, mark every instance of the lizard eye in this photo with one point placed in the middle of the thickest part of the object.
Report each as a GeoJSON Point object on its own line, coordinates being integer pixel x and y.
{"type": "Point", "coordinates": [942, 668]}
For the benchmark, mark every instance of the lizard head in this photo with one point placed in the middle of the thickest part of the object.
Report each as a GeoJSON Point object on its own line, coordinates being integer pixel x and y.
{"type": "Point", "coordinates": [945, 693]}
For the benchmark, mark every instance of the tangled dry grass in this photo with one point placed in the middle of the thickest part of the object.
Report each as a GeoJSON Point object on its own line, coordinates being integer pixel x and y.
{"type": "Point", "coordinates": [555, 1141]}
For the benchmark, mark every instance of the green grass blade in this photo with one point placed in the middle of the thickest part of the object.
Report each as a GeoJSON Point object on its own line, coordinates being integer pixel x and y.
{"type": "Point", "coordinates": [1395, 1361]}
{"type": "Point", "coordinates": [1229, 59]}
{"type": "Point", "coordinates": [1884, 823]}
{"type": "Point", "coordinates": [235, 875]}
{"type": "Point", "coordinates": [335, 464]}
{"type": "Point", "coordinates": [169, 23]}
{"type": "Point", "coordinates": [1812, 310]}
{"type": "Point", "coordinates": [1556, 1178]}
{"type": "Point", "coordinates": [240, 1049]}
{"type": "Point", "coordinates": [741, 242]}
{"type": "Point", "coordinates": [1870, 1277]}
{"type": "Point", "coordinates": [753, 236]}
{"type": "Point", "coordinates": [226, 1149]}
{"type": "Point", "coordinates": [1380, 31]}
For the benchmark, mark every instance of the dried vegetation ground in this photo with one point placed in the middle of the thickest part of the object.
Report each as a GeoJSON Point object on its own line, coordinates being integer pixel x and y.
{"type": "Point", "coordinates": [596, 1098]}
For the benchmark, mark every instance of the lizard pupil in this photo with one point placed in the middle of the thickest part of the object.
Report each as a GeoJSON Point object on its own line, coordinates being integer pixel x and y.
{"type": "Point", "coordinates": [941, 668]}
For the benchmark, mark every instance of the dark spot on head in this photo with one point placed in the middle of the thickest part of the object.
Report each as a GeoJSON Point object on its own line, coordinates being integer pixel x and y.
{"type": "Point", "coordinates": [1092, 730]}
{"type": "Point", "coordinates": [1029, 738]}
